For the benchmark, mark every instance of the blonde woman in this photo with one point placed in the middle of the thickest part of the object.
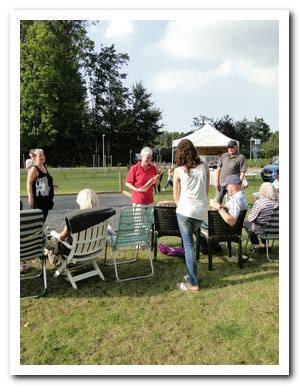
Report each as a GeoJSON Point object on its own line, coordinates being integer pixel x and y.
{"type": "Point", "coordinates": [86, 198]}
{"type": "Point", "coordinates": [40, 188]}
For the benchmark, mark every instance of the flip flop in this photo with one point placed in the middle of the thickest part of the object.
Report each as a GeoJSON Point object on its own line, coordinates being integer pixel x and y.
{"type": "Point", "coordinates": [187, 287]}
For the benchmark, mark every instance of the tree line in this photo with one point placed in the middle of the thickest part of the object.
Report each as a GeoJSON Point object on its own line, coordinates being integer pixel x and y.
{"type": "Point", "coordinates": [72, 97]}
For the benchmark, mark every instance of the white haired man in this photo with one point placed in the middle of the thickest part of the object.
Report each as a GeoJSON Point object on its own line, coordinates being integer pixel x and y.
{"type": "Point", "coordinates": [140, 179]}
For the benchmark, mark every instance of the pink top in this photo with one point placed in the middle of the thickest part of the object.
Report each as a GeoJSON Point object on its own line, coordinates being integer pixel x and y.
{"type": "Point", "coordinates": [138, 177]}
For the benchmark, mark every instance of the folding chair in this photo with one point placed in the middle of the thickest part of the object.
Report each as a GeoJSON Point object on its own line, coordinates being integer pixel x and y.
{"type": "Point", "coordinates": [166, 224]}
{"type": "Point", "coordinates": [134, 233]}
{"type": "Point", "coordinates": [271, 231]}
{"type": "Point", "coordinates": [218, 230]}
{"type": "Point", "coordinates": [32, 240]}
{"type": "Point", "coordinates": [88, 234]}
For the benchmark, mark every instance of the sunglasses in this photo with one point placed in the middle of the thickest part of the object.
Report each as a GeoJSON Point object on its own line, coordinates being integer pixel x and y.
{"type": "Point", "coordinates": [230, 147]}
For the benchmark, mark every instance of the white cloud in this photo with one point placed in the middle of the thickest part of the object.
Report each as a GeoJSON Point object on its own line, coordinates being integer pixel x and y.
{"type": "Point", "coordinates": [119, 29]}
{"type": "Point", "coordinates": [189, 81]}
{"type": "Point", "coordinates": [254, 40]}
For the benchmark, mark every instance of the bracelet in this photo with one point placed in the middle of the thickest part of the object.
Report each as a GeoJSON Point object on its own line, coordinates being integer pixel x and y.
{"type": "Point", "coordinates": [219, 208]}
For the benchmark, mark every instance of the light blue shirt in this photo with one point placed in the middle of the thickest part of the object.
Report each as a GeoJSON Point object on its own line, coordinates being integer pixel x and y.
{"type": "Point", "coordinates": [236, 203]}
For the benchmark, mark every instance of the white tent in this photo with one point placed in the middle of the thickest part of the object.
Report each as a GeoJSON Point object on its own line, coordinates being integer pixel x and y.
{"type": "Point", "coordinates": [207, 140]}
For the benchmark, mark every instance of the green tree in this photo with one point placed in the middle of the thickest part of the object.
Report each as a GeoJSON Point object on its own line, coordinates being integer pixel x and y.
{"type": "Point", "coordinates": [109, 101]}
{"type": "Point", "coordinates": [53, 93]}
{"type": "Point", "coordinates": [145, 118]}
{"type": "Point", "coordinates": [245, 130]}
{"type": "Point", "coordinates": [271, 146]}
{"type": "Point", "coordinates": [226, 126]}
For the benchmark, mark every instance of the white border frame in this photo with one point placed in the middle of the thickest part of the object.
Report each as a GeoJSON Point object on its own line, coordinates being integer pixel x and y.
{"type": "Point", "coordinates": [283, 17]}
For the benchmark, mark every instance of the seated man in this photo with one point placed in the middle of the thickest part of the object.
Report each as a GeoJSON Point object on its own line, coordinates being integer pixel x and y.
{"type": "Point", "coordinates": [232, 209]}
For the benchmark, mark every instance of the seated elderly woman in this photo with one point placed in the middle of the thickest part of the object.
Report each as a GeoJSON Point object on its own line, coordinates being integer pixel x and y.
{"type": "Point", "coordinates": [260, 214]}
{"type": "Point", "coordinates": [86, 198]}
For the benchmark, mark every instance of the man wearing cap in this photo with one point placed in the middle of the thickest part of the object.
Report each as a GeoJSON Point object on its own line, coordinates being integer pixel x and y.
{"type": "Point", "coordinates": [236, 202]}
{"type": "Point", "coordinates": [230, 163]}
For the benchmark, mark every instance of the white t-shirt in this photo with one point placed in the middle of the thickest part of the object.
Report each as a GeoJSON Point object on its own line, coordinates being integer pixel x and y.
{"type": "Point", "coordinates": [193, 198]}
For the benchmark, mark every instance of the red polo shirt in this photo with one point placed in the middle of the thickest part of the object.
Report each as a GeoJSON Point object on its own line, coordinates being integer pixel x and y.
{"type": "Point", "coordinates": [138, 177]}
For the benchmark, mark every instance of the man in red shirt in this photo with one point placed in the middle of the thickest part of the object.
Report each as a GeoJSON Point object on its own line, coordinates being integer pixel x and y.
{"type": "Point", "coordinates": [140, 179]}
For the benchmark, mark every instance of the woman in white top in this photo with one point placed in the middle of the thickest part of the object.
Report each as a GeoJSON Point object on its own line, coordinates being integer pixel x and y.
{"type": "Point", "coordinates": [190, 190]}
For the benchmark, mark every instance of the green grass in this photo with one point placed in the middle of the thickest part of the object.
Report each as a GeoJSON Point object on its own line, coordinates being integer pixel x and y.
{"type": "Point", "coordinates": [233, 320]}
{"type": "Point", "coordinates": [71, 180]}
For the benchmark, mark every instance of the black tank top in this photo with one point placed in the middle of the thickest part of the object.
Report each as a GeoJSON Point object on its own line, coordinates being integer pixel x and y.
{"type": "Point", "coordinates": [43, 191]}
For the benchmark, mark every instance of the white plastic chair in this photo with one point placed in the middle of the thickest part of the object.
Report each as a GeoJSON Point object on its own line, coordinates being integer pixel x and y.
{"type": "Point", "coordinates": [88, 234]}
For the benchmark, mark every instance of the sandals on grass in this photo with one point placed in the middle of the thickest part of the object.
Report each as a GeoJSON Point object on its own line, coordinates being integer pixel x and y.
{"type": "Point", "coordinates": [188, 287]}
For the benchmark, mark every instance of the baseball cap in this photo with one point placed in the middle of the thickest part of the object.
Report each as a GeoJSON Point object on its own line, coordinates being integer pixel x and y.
{"type": "Point", "coordinates": [232, 179]}
{"type": "Point", "coordinates": [232, 143]}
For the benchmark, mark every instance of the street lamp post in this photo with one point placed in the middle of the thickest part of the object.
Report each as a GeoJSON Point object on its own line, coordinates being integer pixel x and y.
{"type": "Point", "coordinates": [130, 151]}
{"type": "Point", "coordinates": [103, 153]}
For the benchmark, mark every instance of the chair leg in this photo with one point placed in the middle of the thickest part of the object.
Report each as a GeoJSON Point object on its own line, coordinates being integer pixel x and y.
{"type": "Point", "coordinates": [240, 253]}
{"type": "Point", "coordinates": [133, 277]}
{"type": "Point", "coordinates": [155, 247]}
{"type": "Point", "coordinates": [43, 273]}
{"type": "Point", "coordinates": [247, 242]}
{"type": "Point", "coordinates": [229, 248]}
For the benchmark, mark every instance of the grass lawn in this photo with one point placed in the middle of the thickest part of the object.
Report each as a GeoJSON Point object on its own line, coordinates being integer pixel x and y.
{"type": "Point", "coordinates": [233, 320]}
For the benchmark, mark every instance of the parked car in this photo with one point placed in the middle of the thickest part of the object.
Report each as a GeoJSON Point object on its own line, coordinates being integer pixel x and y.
{"type": "Point", "coordinates": [268, 171]}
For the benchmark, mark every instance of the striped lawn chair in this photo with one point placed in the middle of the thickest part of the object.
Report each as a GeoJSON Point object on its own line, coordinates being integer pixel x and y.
{"type": "Point", "coordinates": [32, 240]}
{"type": "Point", "coordinates": [134, 233]}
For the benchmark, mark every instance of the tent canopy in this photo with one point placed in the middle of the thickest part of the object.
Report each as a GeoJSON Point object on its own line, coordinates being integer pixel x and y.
{"type": "Point", "coordinates": [205, 137]}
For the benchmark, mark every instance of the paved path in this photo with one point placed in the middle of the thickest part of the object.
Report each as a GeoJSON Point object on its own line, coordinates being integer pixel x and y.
{"type": "Point", "coordinates": [67, 203]}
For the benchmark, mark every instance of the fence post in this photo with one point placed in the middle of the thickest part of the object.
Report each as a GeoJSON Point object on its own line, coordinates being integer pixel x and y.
{"type": "Point", "coordinates": [120, 182]}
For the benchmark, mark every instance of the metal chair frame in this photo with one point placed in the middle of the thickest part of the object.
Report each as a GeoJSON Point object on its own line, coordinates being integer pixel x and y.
{"type": "Point", "coordinates": [134, 233]}
{"type": "Point", "coordinates": [271, 232]}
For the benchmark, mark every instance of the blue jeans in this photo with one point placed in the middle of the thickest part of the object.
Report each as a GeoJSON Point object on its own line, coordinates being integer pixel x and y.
{"type": "Point", "coordinates": [188, 226]}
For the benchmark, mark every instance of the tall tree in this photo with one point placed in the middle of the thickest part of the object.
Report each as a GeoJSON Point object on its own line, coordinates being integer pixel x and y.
{"type": "Point", "coordinates": [226, 126]}
{"type": "Point", "coordinates": [145, 118]}
{"type": "Point", "coordinates": [53, 93]}
{"type": "Point", "coordinates": [270, 148]}
{"type": "Point", "coordinates": [109, 100]}
{"type": "Point", "coordinates": [245, 130]}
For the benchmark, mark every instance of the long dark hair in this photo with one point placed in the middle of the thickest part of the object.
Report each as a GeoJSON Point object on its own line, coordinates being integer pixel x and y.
{"type": "Point", "coordinates": [186, 155]}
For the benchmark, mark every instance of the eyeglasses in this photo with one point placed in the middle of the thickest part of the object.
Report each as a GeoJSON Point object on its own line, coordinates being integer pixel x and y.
{"type": "Point", "coordinates": [230, 147]}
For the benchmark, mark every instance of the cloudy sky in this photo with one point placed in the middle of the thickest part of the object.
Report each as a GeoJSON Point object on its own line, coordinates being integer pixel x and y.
{"type": "Point", "coordinates": [200, 67]}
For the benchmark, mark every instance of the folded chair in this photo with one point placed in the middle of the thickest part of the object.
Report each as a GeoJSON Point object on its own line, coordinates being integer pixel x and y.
{"type": "Point", "coordinates": [32, 240]}
{"type": "Point", "coordinates": [166, 224]}
{"type": "Point", "coordinates": [134, 233]}
{"type": "Point", "coordinates": [218, 230]}
{"type": "Point", "coordinates": [87, 240]}
{"type": "Point", "coordinates": [271, 231]}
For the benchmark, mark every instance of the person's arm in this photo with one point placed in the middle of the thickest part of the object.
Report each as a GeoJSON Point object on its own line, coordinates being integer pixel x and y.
{"type": "Point", "coordinates": [32, 174]}
{"type": "Point", "coordinates": [217, 179]}
{"type": "Point", "coordinates": [207, 178]}
{"type": "Point", "coordinates": [176, 186]}
{"type": "Point", "coordinates": [223, 212]}
{"type": "Point", "coordinates": [242, 175]}
{"type": "Point", "coordinates": [64, 233]}
{"type": "Point", "coordinates": [133, 188]}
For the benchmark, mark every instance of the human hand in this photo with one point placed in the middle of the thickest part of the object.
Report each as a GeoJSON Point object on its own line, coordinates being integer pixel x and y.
{"type": "Point", "coordinates": [31, 202]}
{"type": "Point", "coordinates": [213, 203]}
